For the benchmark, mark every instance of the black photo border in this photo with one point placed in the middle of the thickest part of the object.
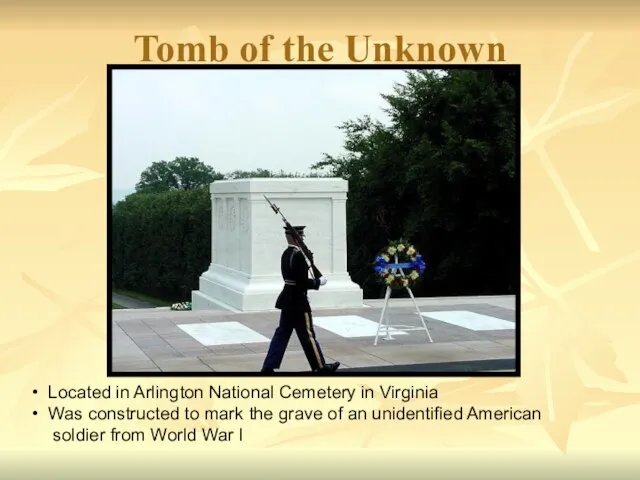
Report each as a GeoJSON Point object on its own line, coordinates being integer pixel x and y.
{"type": "Point", "coordinates": [465, 369]}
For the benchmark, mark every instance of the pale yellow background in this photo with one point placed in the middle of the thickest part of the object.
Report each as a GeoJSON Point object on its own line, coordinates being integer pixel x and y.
{"type": "Point", "coordinates": [581, 249]}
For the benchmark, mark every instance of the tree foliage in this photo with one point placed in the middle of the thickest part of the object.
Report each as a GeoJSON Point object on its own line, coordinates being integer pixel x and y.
{"type": "Point", "coordinates": [183, 173]}
{"type": "Point", "coordinates": [442, 173]}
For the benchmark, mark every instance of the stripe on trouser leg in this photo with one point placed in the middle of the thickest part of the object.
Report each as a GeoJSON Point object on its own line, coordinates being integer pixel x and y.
{"type": "Point", "coordinates": [312, 340]}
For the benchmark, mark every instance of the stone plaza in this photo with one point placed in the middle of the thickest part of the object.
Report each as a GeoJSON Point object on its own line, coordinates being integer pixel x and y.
{"type": "Point", "coordinates": [470, 334]}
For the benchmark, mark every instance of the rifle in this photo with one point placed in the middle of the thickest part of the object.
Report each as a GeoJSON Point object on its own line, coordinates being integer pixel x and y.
{"type": "Point", "coordinates": [298, 239]}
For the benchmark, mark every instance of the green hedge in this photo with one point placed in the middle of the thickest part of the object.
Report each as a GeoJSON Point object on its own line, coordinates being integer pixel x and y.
{"type": "Point", "coordinates": [161, 242]}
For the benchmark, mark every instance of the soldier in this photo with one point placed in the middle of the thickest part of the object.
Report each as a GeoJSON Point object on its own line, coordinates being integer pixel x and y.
{"type": "Point", "coordinates": [295, 311]}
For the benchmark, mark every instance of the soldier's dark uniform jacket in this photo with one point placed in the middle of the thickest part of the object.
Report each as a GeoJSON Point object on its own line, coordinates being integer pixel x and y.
{"type": "Point", "coordinates": [295, 272]}
{"type": "Point", "coordinates": [295, 313]}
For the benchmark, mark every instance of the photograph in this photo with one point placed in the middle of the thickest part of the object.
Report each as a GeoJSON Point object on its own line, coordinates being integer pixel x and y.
{"type": "Point", "coordinates": [302, 220]}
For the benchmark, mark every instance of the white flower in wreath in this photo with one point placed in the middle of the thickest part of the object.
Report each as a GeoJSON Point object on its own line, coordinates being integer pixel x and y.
{"type": "Point", "coordinates": [391, 250]}
{"type": "Point", "coordinates": [411, 251]}
{"type": "Point", "coordinates": [414, 275]}
{"type": "Point", "coordinates": [388, 280]}
{"type": "Point", "coordinates": [385, 258]}
{"type": "Point", "coordinates": [405, 282]}
{"type": "Point", "coordinates": [401, 248]}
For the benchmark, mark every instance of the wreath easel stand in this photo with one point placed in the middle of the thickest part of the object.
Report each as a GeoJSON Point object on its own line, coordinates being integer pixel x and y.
{"type": "Point", "coordinates": [384, 318]}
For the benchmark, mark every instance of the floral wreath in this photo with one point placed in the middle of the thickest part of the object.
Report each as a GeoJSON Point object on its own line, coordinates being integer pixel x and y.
{"type": "Point", "coordinates": [399, 265]}
{"type": "Point", "coordinates": [181, 307]}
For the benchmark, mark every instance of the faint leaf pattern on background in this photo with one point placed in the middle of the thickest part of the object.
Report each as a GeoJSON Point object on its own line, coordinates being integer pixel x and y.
{"type": "Point", "coordinates": [45, 350]}
{"type": "Point", "coordinates": [24, 145]}
{"type": "Point", "coordinates": [19, 353]}
{"type": "Point", "coordinates": [562, 330]}
{"type": "Point", "coordinates": [44, 353]}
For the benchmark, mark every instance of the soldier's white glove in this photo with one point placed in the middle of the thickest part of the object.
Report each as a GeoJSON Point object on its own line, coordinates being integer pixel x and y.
{"type": "Point", "coordinates": [323, 281]}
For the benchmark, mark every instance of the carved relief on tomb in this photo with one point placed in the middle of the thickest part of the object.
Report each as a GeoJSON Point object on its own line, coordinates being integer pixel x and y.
{"type": "Point", "coordinates": [244, 215]}
{"type": "Point", "coordinates": [220, 214]}
{"type": "Point", "coordinates": [231, 216]}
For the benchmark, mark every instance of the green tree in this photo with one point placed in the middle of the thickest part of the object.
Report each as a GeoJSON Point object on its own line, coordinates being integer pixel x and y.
{"type": "Point", "coordinates": [183, 173]}
{"type": "Point", "coordinates": [443, 175]}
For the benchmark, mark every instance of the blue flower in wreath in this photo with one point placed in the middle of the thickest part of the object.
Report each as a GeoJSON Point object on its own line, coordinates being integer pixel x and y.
{"type": "Point", "coordinates": [380, 264]}
{"type": "Point", "coordinates": [418, 262]}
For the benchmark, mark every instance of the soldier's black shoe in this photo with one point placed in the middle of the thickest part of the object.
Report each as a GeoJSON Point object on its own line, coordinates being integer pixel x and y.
{"type": "Point", "coordinates": [266, 370]}
{"type": "Point", "coordinates": [330, 367]}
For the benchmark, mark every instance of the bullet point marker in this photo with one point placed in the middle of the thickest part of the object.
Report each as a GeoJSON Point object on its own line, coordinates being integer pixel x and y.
{"type": "Point", "coordinates": [35, 391]}
{"type": "Point", "coordinates": [35, 413]}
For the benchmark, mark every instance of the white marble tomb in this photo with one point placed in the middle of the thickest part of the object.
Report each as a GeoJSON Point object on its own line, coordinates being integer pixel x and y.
{"type": "Point", "coordinates": [247, 240]}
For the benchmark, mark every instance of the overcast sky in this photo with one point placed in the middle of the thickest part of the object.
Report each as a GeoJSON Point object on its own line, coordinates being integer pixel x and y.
{"type": "Point", "coordinates": [238, 119]}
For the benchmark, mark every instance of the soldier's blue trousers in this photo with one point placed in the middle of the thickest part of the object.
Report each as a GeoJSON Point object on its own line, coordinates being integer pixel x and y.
{"type": "Point", "coordinates": [302, 323]}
